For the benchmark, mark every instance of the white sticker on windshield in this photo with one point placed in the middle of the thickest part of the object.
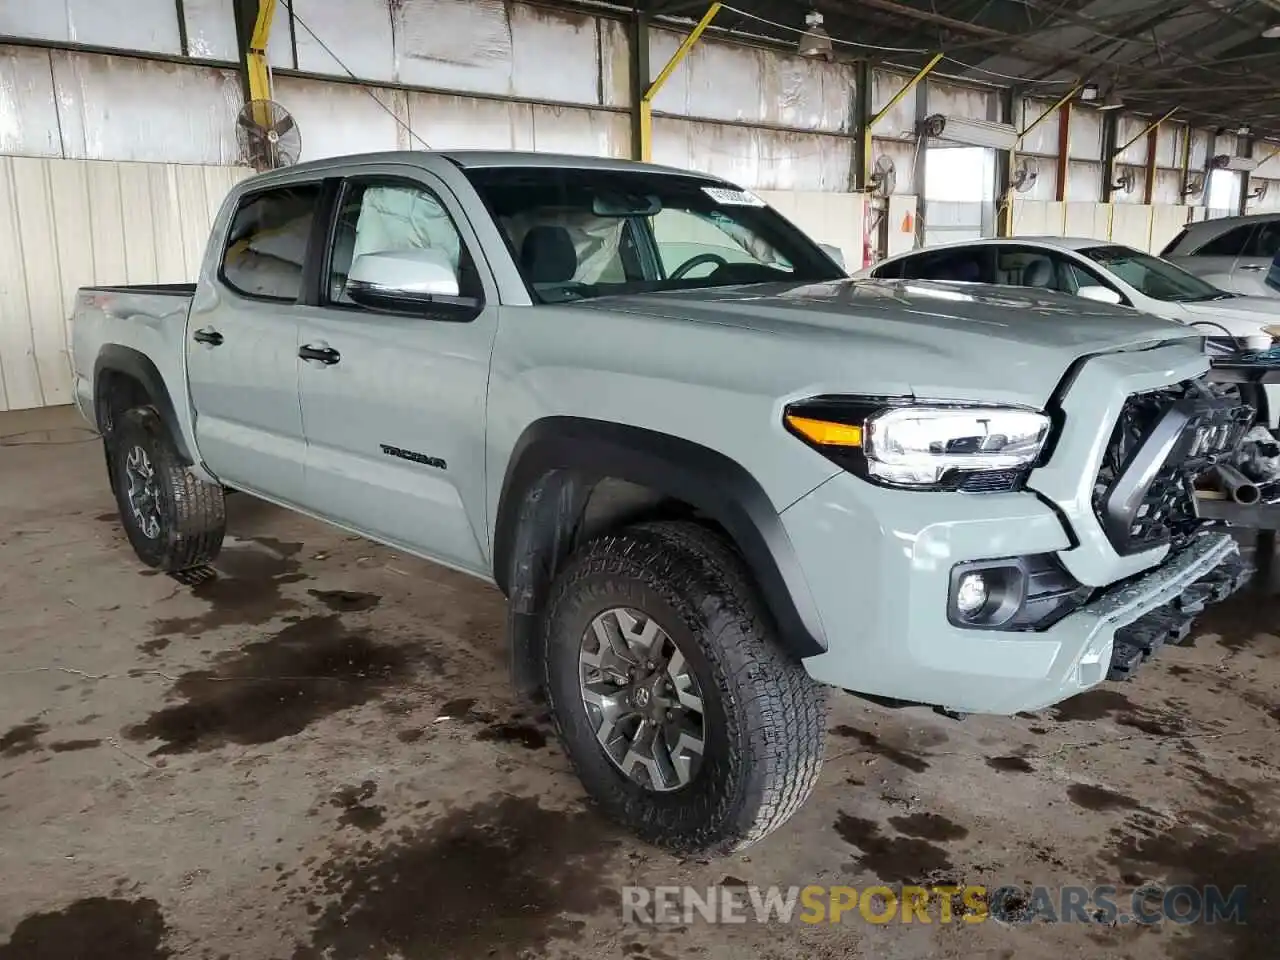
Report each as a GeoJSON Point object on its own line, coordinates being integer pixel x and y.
{"type": "Point", "coordinates": [733, 198]}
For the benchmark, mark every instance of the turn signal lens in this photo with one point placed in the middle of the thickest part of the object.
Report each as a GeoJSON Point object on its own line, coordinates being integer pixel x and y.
{"type": "Point", "coordinates": [826, 433]}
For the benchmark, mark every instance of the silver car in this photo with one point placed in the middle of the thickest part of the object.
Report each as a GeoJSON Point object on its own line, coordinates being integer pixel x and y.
{"type": "Point", "coordinates": [1234, 253]}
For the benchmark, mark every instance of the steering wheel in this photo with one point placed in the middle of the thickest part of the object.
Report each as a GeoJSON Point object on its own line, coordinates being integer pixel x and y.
{"type": "Point", "coordinates": [679, 272]}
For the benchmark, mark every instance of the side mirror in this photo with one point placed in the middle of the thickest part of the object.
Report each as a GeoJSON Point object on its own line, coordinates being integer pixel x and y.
{"type": "Point", "coordinates": [835, 253]}
{"type": "Point", "coordinates": [1099, 294]}
{"type": "Point", "coordinates": [401, 279]}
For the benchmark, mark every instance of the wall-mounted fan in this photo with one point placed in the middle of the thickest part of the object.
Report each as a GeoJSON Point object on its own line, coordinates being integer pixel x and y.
{"type": "Point", "coordinates": [884, 177]}
{"type": "Point", "coordinates": [1195, 185]}
{"type": "Point", "coordinates": [268, 136]}
{"type": "Point", "coordinates": [1125, 182]}
{"type": "Point", "coordinates": [1024, 178]}
{"type": "Point", "coordinates": [1259, 191]}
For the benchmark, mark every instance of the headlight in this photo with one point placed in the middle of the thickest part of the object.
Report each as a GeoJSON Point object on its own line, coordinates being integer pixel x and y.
{"type": "Point", "coordinates": [926, 446]}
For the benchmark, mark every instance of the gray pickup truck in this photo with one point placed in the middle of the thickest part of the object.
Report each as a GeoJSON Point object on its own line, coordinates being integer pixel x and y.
{"type": "Point", "coordinates": [709, 472]}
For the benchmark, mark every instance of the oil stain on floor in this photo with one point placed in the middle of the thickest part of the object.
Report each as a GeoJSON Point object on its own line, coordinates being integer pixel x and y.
{"type": "Point", "coordinates": [24, 738]}
{"type": "Point", "coordinates": [891, 859]}
{"type": "Point", "coordinates": [489, 881]}
{"type": "Point", "coordinates": [357, 812]}
{"type": "Point", "coordinates": [873, 743]}
{"type": "Point", "coordinates": [276, 687]}
{"type": "Point", "coordinates": [346, 601]}
{"type": "Point", "coordinates": [245, 589]}
{"type": "Point", "coordinates": [100, 928]}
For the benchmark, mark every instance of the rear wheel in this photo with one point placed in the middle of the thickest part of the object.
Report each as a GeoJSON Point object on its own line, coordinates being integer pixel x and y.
{"type": "Point", "coordinates": [683, 717]}
{"type": "Point", "coordinates": [173, 519]}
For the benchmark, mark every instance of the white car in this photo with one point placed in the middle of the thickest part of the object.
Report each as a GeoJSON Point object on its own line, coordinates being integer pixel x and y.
{"type": "Point", "coordinates": [1106, 272]}
{"type": "Point", "coordinates": [1234, 253]}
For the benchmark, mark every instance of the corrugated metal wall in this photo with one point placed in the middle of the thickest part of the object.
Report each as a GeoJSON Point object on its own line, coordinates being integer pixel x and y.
{"type": "Point", "coordinates": [73, 223]}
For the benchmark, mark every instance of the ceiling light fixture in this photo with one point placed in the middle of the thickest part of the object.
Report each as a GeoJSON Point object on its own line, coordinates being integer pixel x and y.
{"type": "Point", "coordinates": [1244, 130]}
{"type": "Point", "coordinates": [1089, 92]}
{"type": "Point", "coordinates": [1272, 32]}
{"type": "Point", "coordinates": [815, 42]}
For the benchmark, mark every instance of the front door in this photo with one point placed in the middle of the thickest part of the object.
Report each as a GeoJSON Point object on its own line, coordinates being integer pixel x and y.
{"type": "Point", "coordinates": [242, 346]}
{"type": "Point", "coordinates": [1250, 273]}
{"type": "Point", "coordinates": [393, 394]}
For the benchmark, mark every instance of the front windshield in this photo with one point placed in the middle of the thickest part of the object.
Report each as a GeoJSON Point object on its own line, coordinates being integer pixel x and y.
{"type": "Point", "coordinates": [581, 233]}
{"type": "Point", "coordinates": [1156, 278]}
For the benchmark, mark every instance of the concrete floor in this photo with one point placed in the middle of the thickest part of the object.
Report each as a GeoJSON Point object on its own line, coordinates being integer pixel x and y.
{"type": "Point", "coordinates": [316, 755]}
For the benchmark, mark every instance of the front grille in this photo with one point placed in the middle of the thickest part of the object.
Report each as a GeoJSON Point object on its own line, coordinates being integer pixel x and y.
{"type": "Point", "coordinates": [1143, 494]}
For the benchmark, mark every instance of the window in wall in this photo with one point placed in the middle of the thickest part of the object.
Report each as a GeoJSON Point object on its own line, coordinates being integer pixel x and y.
{"type": "Point", "coordinates": [268, 242]}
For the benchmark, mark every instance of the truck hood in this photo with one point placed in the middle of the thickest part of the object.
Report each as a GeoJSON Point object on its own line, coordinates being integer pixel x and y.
{"type": "Point", "coordinates": [941, 339]}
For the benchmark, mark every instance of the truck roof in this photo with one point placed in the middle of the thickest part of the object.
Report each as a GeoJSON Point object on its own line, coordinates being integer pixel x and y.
{"type": "Point", "coordinates": [476, 159]}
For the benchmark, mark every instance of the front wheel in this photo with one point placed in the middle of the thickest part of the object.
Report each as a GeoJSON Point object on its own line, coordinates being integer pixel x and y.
{"type": "Point", "coordinates": [173, 519]}
{"type": "Point", "coordinates": [683, 717]}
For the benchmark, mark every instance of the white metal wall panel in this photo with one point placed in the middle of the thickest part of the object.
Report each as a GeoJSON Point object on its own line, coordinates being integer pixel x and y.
{"type": "Point", "coordinates": [366, 50]}
{"type": "Point", "coordinates": [465, 123]}
{"type": "Point", "coordinates": [1199, 149]}
{"type": "Point", "coordinates": [1131, 224]}
{"type": "Point", "coordinates": [1088, 220]}
{"type": "Point", "coordinates": [593, 133]}
{"type": "Point", "coordinates": [1168, 188]}
{"type": "Point", "coordinates": [834, 218]}
{"type": "Point", "coordinates": [120, 108]}
{"type": "Point", "coordinates": [77, 223]}
{"type": "Point", "coordinates": [211, 29]}
{"type": "Point", "coordinates": [1166, 221]}
{"type": "Point", "coordinates": [1038, 218]}
{"type": "Point", "coordinates": [755, 158]}
{"type": "Point", "coordinates": [150, 25]}
{"type": "Point", "coordinates": [28, 111]}
{"type": "Point", "coordinates": [1085, 134]}
{"type": "Point", "coordinates": [954, 100]}
{"type": "Point", "coordinates": [554, 56]}
{"type": "Point", "coordinates": [615, 63]}
{"type": "Point", "coordinates": [1268, 155]}
{"type": "Point", "coordinates": [1225, 143]}
{"type": "Point", "coordinates": [1127, 128]}
{"type": "Point", "coordinates": [900, 122]}
{"type": "Point", "coordinates": [1084, 181]}
{"type": "Point", "coordinates": [724, 81]}
{"type": "Point", "coordinates": [1044, 138]}
{"type": "Point", "coordinates": [341, 118]}
{"type": "Point", "coordinates": [1169, 140]}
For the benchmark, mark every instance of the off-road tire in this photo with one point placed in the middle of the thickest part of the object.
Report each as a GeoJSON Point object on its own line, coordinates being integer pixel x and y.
{"type": "Point", "coordinates": [191, 512]}
{"type": "Point", "coordinates": [764, 716]}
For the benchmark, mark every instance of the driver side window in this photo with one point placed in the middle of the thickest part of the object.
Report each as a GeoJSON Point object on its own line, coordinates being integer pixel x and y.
{"type": "Point", "coordinates": [682, 236]}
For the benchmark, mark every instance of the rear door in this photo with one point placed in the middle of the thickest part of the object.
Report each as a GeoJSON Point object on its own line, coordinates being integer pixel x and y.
{"type": "Point", "coordinates": [1250, 273]}
{"type": "Point", "coordinates": [393, 398]}
{"type": "Point", "coordinates": [242, 345]}
{"type": "Point", "coordinates": [1215, 259]}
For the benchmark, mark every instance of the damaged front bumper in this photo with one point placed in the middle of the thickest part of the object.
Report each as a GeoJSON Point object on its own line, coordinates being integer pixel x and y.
{"type": "Point", "coordinates": [1171, 622]}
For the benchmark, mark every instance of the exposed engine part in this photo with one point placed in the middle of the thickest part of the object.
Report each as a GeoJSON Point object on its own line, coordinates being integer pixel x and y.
{"type": "Point", "coordinates": [1258, 456]}
{"type": "Point", "coordinates": [1236, 485]}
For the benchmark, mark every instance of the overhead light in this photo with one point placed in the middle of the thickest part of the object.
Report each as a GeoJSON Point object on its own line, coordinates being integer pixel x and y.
{"type": "Point", "coordinates": [1244, 131]}
{"type": "Point", "coordinates": [814, 42]}
{"type": "Point", "coordinates": [1272, 33]}
{"type": "Point", "coordinates": [1089, 92]}
{"type": "Point", "coordinates": [970, 133]}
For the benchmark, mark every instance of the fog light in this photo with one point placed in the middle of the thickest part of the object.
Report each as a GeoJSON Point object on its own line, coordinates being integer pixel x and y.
{"type": "Point", "coordinates": [971, 594]}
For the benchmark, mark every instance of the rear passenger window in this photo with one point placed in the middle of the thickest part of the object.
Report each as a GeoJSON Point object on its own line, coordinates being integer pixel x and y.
{"type": "Point", "coordinates": [268, 242]}
{"type": "Point", "coordinates": [1229, 244]}
{"type": "Point", "coordinates": [1265, 241]}
{"type": "Point", "coordinates": [964, 264]}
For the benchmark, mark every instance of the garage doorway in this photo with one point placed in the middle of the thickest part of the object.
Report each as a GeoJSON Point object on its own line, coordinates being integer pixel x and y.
{"type": "Point", "coordinates": [959, 193]}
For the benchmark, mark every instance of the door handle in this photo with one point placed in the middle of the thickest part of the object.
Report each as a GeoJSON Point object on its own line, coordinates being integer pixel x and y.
{"type": "Point", "coordinates": [320, 353]}
{"type": "Point", "coordinates": [1253, 267]}
{"type": "Point", "coordinates": [209, 336]}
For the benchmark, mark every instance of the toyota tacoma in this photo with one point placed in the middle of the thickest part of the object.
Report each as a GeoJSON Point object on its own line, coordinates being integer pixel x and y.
{"type": "Point", "coordinates": [711, 474]}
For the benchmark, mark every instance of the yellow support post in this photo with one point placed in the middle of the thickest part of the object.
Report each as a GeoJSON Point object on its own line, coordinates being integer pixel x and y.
{"type": "Point", "coordinates": [646, 99]}
{"type": "Point", "coordinates": [255, 58]}
{"type": "Point", "coordinates": [884, 111]}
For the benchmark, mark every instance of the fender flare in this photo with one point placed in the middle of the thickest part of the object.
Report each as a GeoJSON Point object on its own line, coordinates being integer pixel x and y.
{"type": "Point", "coordinates": [557, 461]}
{"type": "Point", "coordinates": [114, 358]}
